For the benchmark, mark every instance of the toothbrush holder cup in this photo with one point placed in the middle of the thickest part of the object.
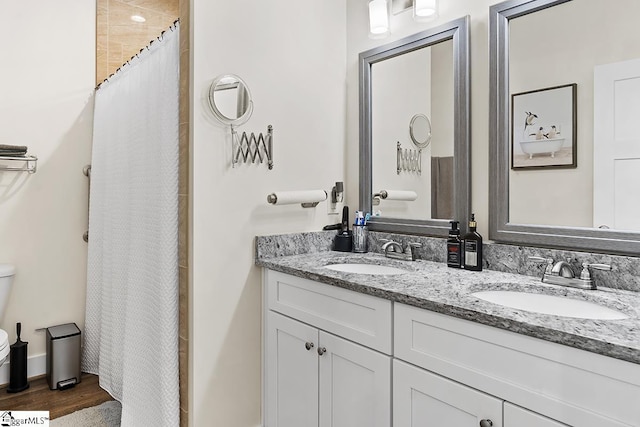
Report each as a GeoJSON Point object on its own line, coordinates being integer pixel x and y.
{"type": "Point", "coordinates": [360, 238]}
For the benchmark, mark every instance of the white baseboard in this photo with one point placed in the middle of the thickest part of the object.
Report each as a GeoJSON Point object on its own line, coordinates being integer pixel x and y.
{"type": "Point", "coordinates": [36, 366]}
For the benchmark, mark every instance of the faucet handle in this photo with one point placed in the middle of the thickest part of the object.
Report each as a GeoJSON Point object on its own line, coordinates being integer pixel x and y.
{"type": "Point", "coordinates": [410, 251]}
{"type": "Point", "coordinates": [585, 275]}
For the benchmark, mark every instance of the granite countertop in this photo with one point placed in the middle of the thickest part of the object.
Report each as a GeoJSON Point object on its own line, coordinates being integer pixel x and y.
{"type": "Point", "coordinates": [435, 287]}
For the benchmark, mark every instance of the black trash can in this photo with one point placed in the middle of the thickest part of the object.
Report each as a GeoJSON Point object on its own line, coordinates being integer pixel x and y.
{"type": "Point", "coordinates": [63, 356]}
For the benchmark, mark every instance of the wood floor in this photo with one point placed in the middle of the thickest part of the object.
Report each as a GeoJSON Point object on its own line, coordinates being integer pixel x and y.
{"type": "Point", "coordinates": [38, 397]}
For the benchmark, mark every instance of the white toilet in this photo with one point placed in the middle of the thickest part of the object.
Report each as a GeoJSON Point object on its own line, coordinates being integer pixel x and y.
{"type": "Point", "coordinates": [7, 272]}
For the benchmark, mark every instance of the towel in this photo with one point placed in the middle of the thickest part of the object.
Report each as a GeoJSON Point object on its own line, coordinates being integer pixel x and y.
{"type": "Point", "coordinates": [442, 187]}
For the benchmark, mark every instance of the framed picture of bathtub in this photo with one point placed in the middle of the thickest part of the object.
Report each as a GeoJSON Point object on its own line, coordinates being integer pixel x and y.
{"type": "Point", "coordinates": [543, 128]}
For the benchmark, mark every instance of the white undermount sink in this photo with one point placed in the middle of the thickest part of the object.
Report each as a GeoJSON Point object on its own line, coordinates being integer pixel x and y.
{"type": "Point", "coordinates": [550, 304]}
{"type": "Point", "coordinates": [372, 269]}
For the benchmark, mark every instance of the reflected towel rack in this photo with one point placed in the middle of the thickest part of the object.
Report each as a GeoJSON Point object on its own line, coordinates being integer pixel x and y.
{"type": "Point", "coordinates": [30, 163]}
{"type": "Point", "coordinates": [87, 172]}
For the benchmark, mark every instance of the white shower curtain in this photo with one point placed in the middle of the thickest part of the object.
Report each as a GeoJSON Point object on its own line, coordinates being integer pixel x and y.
{"type": "Point", "coordinates": [131, 327]}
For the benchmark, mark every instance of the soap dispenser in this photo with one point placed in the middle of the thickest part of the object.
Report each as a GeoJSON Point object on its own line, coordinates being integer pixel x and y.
{"type": "Point", "coordinates": [472, 247]}
{"type": "Point", "coordinates": [454, 246]}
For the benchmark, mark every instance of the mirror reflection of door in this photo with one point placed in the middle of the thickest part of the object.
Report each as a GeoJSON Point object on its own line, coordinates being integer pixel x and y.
{"type": "Point", "coordinates": [616, 150]}
{"type": "Point", "coordinates": [418, 82]}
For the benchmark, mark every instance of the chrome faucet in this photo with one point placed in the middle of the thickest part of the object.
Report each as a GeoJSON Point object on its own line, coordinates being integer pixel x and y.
{"type": "Point", "coordinates": [560, 273]}
{"type": "Point", "coordinates": [393, 249]}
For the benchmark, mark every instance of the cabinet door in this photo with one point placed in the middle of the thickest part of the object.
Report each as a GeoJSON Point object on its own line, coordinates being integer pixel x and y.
{"type": "Point", "coordinates": [421, 398]}
{"type": "Point", "coordinates": [355, 385]}
{"type": "Point", "coordinates": [515, 416]}
{"type": "Point", "coordinates": [292, 373]}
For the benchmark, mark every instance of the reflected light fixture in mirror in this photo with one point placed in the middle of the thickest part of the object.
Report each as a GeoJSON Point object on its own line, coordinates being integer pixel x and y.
{"type": "Point", "coordinates": [425, 10]}
{"type": "Point", "coordinates": [378, 19]}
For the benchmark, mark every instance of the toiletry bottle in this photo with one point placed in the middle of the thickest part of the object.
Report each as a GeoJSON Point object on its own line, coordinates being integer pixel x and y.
{"type": "Point", "coordinates": [472, 247]}
{"type": "Point", "coordinates": [454, 246]}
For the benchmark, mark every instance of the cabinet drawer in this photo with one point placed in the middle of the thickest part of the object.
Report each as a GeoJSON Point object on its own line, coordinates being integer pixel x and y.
{"type": "Point", "coordinates": [354, 316]}
{"type": "Point", "coordinates": [575, 387]}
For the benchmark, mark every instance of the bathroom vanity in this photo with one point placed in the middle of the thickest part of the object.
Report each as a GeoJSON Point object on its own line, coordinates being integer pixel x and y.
{"type": "Point", "coordinates": [417, 348]}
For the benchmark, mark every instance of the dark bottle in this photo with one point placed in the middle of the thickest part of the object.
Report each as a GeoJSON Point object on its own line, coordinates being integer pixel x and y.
{"type": "Point", "coordinates": [454, 246]}
{"type": "Point", "coordinates": [472, 247]}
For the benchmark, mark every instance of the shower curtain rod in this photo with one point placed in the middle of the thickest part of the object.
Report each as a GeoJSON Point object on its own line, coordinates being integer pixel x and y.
{"type": "Point", "coordinates": [159, 38]}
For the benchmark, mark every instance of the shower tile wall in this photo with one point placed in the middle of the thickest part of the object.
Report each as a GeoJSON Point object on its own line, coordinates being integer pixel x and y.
{"type": "Point", "coordinates": [119, 38]}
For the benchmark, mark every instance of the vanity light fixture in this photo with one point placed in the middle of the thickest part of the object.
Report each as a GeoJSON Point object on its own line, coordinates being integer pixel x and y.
{"type": "Point", "coordinates": [378, 19]}
{"type": "Point", "coordinates": [425, 10]}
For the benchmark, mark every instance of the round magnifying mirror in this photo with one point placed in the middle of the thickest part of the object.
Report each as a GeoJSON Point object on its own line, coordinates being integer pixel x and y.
{"type": "Point", "coordinates": [420, 130]}
{"type": "Point", "coordinates": [230, 100]}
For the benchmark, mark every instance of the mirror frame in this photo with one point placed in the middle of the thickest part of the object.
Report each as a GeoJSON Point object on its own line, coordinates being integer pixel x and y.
{"type": "Point", "coordinates": [500, 229]}
{"type": "Point", "coordinates": [458, 32]}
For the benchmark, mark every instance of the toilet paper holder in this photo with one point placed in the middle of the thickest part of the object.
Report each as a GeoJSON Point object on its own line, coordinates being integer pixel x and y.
{"type": "Point", "coordinates": [307, 199]}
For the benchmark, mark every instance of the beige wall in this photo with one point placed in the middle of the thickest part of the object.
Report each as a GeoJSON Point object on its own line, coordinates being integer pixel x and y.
{"type": "Point", "coordinates": [46, 88]}
{"type": "Point", "coordinates": [292, 56]}
{"type": "Point", "coordinates": [403, 25]}
{"type": "Point", "coordinates": [395, 102]}
{"type": "Point", "coordinates": [442, 98]}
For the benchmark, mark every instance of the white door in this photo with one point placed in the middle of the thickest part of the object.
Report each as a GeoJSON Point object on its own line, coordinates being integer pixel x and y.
{"type": "Point", "coordinates": [292, 373]}
{"type": "Point", "coordinates": [421, 398]}
{"type": "Point", "coordinates": [515, 416]}
{"type": "Point", "coordinates": [355, 385]}
{"type": "Point", "coordinates": [616, 146]}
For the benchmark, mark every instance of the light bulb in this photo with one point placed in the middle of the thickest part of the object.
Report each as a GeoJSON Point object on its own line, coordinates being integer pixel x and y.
{"type": "Point", "coordinates": [378, 18]}
{"type": "Point", "coordinates": [425, 10]}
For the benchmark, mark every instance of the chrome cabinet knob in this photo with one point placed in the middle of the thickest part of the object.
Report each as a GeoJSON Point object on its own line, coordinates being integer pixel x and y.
{"type": "Point", "coordinates": [486, 423]}
{"type": "Point", "coordinates": [321, 350]}
{"type": "Point", "coordinates": [308, 345]}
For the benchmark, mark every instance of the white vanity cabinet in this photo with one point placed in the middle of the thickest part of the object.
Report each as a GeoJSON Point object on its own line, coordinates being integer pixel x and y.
{"type": "Point", "coordinates": [443, 371]}
{"type": "Point", "coordinates": [314, 376]}
{"type": "Point", "coordinates": [538, 381]}
{"type": "Point", "coordinates": [421, 398]}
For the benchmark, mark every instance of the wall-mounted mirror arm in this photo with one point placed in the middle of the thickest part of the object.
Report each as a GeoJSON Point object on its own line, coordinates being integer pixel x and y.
{"type": "Point", "coordinates": [231, 104]}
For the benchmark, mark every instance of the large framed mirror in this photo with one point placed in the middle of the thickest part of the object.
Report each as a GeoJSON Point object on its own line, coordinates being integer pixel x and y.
{"type": "Point", "coordinates": [564, 140]}
{"type": "Point", "coordinates": [415, 131]}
